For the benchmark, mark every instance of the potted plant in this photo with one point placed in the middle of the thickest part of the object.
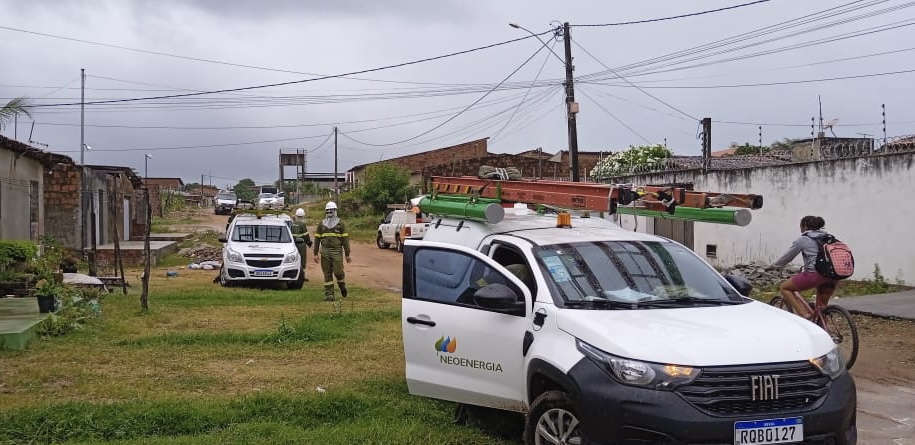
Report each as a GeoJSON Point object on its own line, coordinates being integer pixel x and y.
{"type": "Point", "coordinates": [46, 291]}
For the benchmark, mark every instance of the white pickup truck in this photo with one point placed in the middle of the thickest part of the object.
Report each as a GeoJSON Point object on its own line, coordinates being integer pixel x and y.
{"type": "Point", "coordinates": [398, 226]}
{"type": "Point", "coordinates": [606, 336]}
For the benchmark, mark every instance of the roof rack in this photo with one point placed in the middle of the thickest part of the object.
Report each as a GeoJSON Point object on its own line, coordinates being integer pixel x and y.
{"type": "Point", "coordinates": [485, 199]}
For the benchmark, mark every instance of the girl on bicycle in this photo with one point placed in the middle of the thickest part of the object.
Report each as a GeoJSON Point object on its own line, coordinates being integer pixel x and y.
{"type": "Point", "coordinates": [808, 278]}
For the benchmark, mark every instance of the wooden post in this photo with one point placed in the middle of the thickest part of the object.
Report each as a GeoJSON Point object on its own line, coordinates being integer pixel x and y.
{"type": "Point", "coordinates": [144, 296]}
{"type": "Point", "coordinates": [118, 262]}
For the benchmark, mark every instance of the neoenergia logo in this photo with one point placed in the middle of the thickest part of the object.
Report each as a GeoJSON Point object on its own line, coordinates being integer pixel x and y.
{"type": "Point", "coordinates": [448, 345]}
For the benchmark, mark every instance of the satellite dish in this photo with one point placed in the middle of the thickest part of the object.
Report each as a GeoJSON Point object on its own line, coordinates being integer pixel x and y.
{"type": "Point", "coordinates": [830, 125]}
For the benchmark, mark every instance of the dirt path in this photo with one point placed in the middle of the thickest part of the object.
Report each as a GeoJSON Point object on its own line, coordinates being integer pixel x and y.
{"type": "Point", "coordinates": [884, 371]}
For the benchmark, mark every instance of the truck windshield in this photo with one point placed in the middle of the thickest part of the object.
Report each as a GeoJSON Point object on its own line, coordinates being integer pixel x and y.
{"type": "Point", "coordinates": [635, 273]}
{"type": "Point", "coordinates": [226, 196]}
{"type": "Point", "coordinates": [261, 234]}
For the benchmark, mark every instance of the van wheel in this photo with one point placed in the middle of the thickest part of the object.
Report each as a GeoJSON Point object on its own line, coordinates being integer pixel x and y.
{"type": "Point", "coordinates": [398, 243]}
{"type": "Point", "coordinates": [553, 419]}
{"type": "Point", "coordinates": [380, 242]}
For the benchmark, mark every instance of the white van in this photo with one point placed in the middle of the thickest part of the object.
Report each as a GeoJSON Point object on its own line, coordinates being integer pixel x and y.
{"type": "Point", "coordinates": [261, 249]}
{"type": "Point", "coordinates": [606, 336]}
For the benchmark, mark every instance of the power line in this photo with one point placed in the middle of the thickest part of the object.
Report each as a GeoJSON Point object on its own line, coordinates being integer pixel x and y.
{"type": "Point", "coordinates": [460, 112]}
{"type": "Point", "coordinates": [219, 62]}
{"type": "Point", "coordinates": [523, 99]}
{"type": "Point", "coordinates": [615, 118]}
{"type": "Point", "coordinates": [294, 82]}
{"type": "Point", "coordinates": [674, 17]}
{"type": "Point", "coordinates": [763, 84]}
{"type": "Point", "coordinates": [632, 84]}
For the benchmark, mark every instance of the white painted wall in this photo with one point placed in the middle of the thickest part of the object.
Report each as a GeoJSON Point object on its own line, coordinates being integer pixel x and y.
{"type": "Point", "coordinates": [867, 202]}
{"type": "Point", "coordinates": [16, 172]}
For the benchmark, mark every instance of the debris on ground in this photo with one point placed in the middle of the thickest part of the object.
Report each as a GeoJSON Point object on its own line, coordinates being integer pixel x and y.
{"type": "Point", "coordinates": [205, 265]}
{"type": "Point", "coordinates": [200, 254]}
{"type": "Point", "coordinates": [761, 278]}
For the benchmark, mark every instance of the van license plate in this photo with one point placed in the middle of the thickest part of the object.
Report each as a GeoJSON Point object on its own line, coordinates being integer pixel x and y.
{"type": "Point", "coordinates": [262, 273]}
{"type": "Point", "coordinates": [789, 430]}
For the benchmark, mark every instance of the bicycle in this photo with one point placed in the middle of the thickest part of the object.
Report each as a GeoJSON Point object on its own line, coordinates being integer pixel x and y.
{"type": "Point", "coordinates": [836, 321]}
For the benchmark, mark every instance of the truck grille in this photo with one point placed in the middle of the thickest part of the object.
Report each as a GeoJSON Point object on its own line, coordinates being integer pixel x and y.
{"type": "Point", "coordinates": [728, 390]}
{"type": "Point", "coordinates": [264, 263]}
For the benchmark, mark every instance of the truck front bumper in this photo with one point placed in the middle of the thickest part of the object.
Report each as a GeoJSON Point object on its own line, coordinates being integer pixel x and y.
{"type": "Point", "coordinates": [613, 413]}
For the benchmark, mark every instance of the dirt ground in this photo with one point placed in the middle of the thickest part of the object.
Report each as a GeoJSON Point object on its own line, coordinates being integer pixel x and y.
{"type": "Point", "coordinates": [884, 371]}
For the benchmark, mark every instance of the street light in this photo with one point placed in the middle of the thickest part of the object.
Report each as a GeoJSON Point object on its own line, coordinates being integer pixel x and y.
{"type": "Point", "coordinates": [146, 159]}
{"type": "Point", "coordinates": [517, 26]}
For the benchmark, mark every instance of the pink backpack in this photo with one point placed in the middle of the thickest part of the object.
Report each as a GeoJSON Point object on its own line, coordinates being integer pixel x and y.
{"type": "Point", "coordinates": [835, 260]}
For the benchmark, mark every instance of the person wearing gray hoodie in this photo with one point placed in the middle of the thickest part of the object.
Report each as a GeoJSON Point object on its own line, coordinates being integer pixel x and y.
{"type": "Point", "coordinates": [808, 245]}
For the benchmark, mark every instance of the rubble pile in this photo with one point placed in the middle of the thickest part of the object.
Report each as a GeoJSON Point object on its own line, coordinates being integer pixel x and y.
{"type": "Point", "coordinates": [759, 276]}
{"type": "Point", "coordinates": [202, 254]}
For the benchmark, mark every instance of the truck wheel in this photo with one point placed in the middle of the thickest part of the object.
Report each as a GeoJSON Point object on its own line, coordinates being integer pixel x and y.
{"type": "Point", "coordinates": [297, 284]}
{"type": "Point", "coordinates": [222, 279]}
{"type": "Point", "coordinates": [398, 243]}
{"type": "Point", "coordinates": [553, 419]}
{"type": "Point", "coordinates": [380, 242]}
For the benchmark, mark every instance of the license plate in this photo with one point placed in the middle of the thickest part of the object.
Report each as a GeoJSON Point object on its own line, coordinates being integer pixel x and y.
{"type": "Point", "coordinates": [789, 430]}
{"type": "Point", "coordinates": [262, 273]}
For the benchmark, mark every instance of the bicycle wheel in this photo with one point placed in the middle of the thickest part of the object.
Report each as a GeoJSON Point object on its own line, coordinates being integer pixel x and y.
{"type": "Point", "coordinates": [780, 303]}
{"type": "Point", "coordinates": [841, 327]}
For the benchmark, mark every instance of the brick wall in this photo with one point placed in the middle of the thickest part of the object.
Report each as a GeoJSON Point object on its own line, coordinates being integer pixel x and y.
{"type": "Point", "coordinates": [61, 203]}
{"type": "Point", "coordinates": [416, 162]}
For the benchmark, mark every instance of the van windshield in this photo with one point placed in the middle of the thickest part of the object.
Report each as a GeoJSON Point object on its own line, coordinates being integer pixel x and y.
{"type": "Point", "coordinates": [226, 196]}
{"type": "Point", "coordinates": [631, 274]}
{"type": "Point", "coordinates": [261, 234]}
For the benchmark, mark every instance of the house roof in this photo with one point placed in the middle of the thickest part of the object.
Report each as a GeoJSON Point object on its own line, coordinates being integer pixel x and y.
{"type": "Point", "coordinates": [127, 171]}
{"type": "Point", "coordinates": [362, 166]}
{"type": "Point", "coordinates": [160, 181]}
{"type": "Point", "coordinates": [46, 158]}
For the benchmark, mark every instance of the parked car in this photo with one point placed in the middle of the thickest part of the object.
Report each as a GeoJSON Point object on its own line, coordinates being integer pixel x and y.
{"type": "Point", "coordinates": [269, 201]}
{"type": "Point", "coordinates": [602, 335]}
{"type": "Point", "coordinates": [225, 202]}
{"type": "Point", "coordinates": [398, 226]}
{"type": "Point", "coordinates": [260, 249]}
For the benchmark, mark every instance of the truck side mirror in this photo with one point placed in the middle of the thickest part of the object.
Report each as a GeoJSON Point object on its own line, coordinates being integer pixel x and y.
{"type": "Point", "coordinates": [498, 297]}
{"type": "Point", "coordinates": [741, 284]}
{"type": "Point", "coordinates": [222, 238]}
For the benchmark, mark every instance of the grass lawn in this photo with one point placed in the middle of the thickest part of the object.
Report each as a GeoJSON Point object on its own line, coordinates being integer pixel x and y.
{"type": "Point", "coordinates": [213, 365]}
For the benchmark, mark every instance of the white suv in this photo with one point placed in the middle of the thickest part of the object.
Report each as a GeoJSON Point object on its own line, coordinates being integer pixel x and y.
{"type": "Point", "coordinates": [260, 249]}
{"type": "Point", "coordinates": [602, 335]}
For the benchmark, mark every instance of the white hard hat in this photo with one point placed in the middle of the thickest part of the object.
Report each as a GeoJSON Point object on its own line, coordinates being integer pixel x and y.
{"type": "Point", "coordinates": [330, 206]}
{"type": "Point", "coordinates": [299, 212]}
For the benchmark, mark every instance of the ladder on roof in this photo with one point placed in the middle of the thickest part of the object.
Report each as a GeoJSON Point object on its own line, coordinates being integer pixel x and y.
{"type": "Point", "coordinates": [591, 196]}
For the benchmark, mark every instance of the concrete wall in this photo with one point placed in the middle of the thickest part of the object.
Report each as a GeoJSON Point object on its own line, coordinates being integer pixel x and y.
{"type": "Point", "coordinates": [17, 221]}
{"type": "Point", "coordinates": [866, 201]}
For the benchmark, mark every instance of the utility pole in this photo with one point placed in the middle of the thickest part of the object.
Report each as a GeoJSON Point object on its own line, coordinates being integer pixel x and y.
{"type": "Point", "coordinates": [82, 157]}
{"type": "Point", "coordinates": [760, 140]}
{"type": "Point", "coordinates": [336, 191]}
{"type": "Point", "coordinates": [706, 142]}
{"type": "Point", "coordinates": [16, 126]}
{"type": "Point", "coordinates": [571, 105]}
{"type": "Point", "coordinates": [883, 113]}
{"type": "Point", "coordinates": [539, 162]}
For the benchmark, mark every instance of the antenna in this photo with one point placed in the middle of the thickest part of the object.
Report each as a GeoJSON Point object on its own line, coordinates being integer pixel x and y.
{"type": "Point", "coordinates": [830, 125]}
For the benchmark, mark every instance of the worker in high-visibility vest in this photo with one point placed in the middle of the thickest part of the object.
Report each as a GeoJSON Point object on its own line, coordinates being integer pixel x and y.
{"type": "Point", "coordinates": [300, 230]}
{"type": "Point", "coordinates": [332, 244]}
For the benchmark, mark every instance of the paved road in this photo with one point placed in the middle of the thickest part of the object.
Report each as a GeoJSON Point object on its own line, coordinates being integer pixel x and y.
{"type": "Point", "coordinates": [897, 304]}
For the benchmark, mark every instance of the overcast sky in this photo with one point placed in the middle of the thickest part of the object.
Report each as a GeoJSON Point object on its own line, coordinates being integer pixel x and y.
{"type": "Point", "coordinates": [337, 36]}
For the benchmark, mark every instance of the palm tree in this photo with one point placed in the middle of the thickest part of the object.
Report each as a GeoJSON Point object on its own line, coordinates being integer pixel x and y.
{"type": "Point", "coordinates": [13, 108]}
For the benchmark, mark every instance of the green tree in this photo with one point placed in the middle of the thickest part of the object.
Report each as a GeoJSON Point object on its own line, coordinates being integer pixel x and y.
{"type": "Point", "coordinates": [244, 191]}
{"type": "Point", "coordinates": [747, 149]}
{"type": "Point", "coordinates": [385, 184]}
{"type": "Point", "coordinates": [12, 109]}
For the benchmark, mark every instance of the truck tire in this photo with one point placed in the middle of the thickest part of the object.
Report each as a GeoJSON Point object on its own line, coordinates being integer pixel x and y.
{"type": "Point", "coordinates": [380, 242]}
{"type": "Point", "coordinates": [222, 279]}
{"type": "Point", "coordinates": [297, 284]}
{"type": "Point", "coordinates": [553, 419]}
{"type": "Point", "coordinates": [398, 243]}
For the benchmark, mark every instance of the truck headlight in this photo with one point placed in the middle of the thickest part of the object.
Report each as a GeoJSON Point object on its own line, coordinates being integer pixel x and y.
{"type": "Point", "coordinates": [638, 373]}
{"type": "Point", "coordinates": [831, 364]}
{"type": "Point", "coordinates": [292, 257]}
{"type": "Point", "coordinates": [235, 257]}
